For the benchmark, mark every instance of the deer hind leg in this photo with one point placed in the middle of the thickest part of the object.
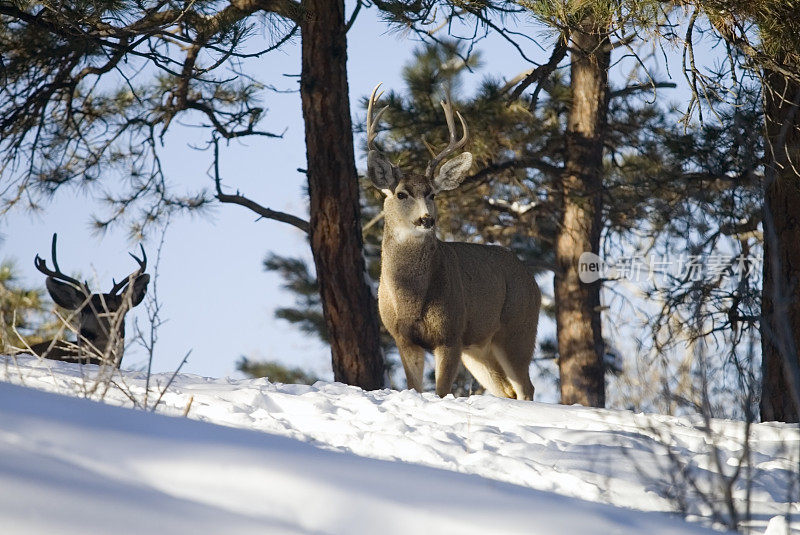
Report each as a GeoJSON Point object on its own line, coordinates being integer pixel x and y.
{"type": "Point", "coordinates": [413, 359]}
{"type": "Point", "coordinates": [482, 364]}
{"type": "Point", "coordinates": [515, 360]}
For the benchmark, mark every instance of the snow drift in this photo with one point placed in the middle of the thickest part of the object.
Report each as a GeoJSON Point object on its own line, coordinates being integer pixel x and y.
{"type": "Point", "coordinates": [329, 458]}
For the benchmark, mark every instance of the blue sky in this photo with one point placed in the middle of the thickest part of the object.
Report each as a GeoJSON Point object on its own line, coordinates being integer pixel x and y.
{"type": "Point", "coordinates": [216, 297]}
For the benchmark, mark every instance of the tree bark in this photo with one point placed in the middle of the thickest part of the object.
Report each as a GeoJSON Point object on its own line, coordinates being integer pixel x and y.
{"type": "Point", "coordinates": [780, 298]}
{"type": "Point", "coordinates": [335, 231]}
{"type": "Point", "coordinates": [580, 339]}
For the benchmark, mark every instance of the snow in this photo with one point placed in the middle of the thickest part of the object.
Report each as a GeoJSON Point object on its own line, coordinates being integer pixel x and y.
{"type": "Point", "coordinates": [514, 207]}
{"type": "Point", "coordinates": [329, 458]}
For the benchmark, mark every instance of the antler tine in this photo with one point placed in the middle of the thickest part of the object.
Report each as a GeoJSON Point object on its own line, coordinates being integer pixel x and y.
{"type": "Point", "coordinates": [41, 265]}
{"type": "Point", "coordinates": [142, 267]}
{"type": "Point", "coordinates": [454, 144]}
{"type": "Point", "coordinates": [371, 122]}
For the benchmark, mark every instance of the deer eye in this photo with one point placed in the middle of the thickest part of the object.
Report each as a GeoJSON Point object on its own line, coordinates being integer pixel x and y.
{"type": "Point", "coordinates": [431, 196]}
{"type": "Point", "coordinates": [402, 195]}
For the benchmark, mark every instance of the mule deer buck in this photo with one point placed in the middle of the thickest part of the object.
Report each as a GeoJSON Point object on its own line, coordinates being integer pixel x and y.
{"type": "Point", "coordinates": [464, 302]}
{"type": "Point", "coordinates": [100, 316]}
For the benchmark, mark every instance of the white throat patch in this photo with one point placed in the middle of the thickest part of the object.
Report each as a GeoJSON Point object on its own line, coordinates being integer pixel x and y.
{"type": "Point", "coordinates": [414, 232]}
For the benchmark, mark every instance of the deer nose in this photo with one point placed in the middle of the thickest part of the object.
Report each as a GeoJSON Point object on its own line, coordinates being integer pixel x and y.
{"type": "Point", "coordinates": [426, 221]}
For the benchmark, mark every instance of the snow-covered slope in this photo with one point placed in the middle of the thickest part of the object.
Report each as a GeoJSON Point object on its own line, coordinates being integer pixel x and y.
{"type": "Point", "coordinates": [467, 465]}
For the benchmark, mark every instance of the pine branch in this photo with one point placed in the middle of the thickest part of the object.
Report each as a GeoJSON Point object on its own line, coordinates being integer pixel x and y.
{"type": "Point", "coordinates": [522, 163]}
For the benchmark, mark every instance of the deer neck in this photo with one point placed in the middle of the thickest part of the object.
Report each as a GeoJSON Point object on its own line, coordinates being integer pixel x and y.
{"type": "Point", "coordinates": [408, 264]}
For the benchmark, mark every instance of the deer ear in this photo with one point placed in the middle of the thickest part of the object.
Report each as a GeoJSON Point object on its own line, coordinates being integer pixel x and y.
{"type": "Point", "coordinates": [381, 172]}
{"type": "Point", "coordinates": [64, 295]}
{"type": "Point", "coordinates": [453, 172]}
{"type": "Point", "coordinates": [139, 289]}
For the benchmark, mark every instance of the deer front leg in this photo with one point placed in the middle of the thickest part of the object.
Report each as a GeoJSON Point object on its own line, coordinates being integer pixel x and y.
{"type": "Point", "coordinates": [447, 360]}
{"type": "Point", "coordinates": [413, 359]}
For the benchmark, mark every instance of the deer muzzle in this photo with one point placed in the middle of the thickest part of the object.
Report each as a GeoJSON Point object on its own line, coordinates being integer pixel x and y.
{"type": "Point", "coordinates": [425, 221]}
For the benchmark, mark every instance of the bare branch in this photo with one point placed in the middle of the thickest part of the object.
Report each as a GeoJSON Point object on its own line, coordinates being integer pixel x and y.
{"type": "Point", "coordinates": [542, 72]}
{"type": "Point", "coordinates": [353, 16]}
{"type": "Point", "coordinates": [635, 88]}
{"type": "Point", "coordinates": [241, 200]}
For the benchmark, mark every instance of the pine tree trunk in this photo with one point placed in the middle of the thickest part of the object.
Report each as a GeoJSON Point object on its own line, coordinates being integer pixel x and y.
{"type": "Point", "coordinates": [780, 298]}
{"type": "Point", "coordinates": [580, 340]}
{"type": "Point", "coordinates": [347, 300]}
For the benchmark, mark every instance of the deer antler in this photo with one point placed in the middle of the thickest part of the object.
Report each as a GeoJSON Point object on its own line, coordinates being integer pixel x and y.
{"type": "Point", "coordinates": [371, 122]}
{"type": "Point", "coordinates": [41, 265]}
{"type": "Point", "coordinates": [453, 145]}
{"type": "Point", "coordinates": [142, 267]}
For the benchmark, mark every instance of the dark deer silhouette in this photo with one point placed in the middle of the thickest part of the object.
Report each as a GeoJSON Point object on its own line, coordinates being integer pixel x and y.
{"type": "Point", "coordinates": [100, 316]}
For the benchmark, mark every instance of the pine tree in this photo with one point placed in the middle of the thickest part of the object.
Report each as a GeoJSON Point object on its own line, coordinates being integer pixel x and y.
{"type": "Point", "coordinates": [22, 313]}
{"type": "Point", "coordinates": [275, 372]}
{"type": "Point", "coordinates": [307, 312]}
{"type": "Point", "coordinates": [772, 54]}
